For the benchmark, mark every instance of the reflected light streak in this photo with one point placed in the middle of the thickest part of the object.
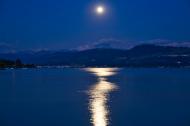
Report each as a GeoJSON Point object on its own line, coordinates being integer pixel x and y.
{"type": "Point", "coordinates": [99, 96]}
{"type": "Point", "coordinates": [102, 72]}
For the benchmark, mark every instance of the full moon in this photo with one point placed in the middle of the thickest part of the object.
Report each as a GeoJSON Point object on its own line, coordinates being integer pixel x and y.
{"type": "Point", "coordinates": [100, 9]}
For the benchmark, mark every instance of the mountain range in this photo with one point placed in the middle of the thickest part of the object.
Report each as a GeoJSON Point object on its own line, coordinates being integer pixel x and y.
{"type": "Point", "coordinates": [145, 55]}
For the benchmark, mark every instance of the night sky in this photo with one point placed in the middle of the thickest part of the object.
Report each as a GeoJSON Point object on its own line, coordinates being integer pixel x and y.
{"type": "Point", "coordinates": [55, 24]}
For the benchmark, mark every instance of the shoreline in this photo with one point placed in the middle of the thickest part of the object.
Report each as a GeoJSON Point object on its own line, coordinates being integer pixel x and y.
{"type": "Point", "coordinates": [62, 67]}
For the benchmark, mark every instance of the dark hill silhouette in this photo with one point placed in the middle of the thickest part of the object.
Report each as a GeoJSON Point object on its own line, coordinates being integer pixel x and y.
{"type": "Point", "coordinates": [139, 56]}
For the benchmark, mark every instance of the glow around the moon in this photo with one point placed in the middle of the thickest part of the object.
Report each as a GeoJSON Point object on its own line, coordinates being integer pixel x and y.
{"type": "Point", "coordinates": [100, 9]}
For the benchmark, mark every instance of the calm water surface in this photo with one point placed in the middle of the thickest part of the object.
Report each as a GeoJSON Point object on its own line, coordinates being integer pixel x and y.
{"type": "Point", "coordinates": [95, 97]}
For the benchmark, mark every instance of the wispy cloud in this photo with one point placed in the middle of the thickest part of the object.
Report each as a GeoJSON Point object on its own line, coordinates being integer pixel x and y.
{"type": "Point", "coordinates": [6, 48]}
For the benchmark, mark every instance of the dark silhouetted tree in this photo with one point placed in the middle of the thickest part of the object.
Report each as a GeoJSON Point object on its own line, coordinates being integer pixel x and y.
{"type": "Point", "coordinates": [18, 63]}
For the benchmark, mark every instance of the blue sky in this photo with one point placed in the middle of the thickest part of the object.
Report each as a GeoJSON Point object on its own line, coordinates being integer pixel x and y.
{"type": "Point", "coordinates": [55, 24]}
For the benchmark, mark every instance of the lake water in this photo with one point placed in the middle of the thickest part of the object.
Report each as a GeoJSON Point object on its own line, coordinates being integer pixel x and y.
{"type": "Point", "coordinates": [95, 97]}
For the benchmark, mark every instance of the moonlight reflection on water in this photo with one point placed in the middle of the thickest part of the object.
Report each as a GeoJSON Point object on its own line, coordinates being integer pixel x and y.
{"type": "Point", "coordinates": [99, 95]}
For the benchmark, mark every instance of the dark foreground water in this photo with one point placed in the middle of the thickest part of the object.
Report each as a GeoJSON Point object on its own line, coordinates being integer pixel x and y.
{"type": "Point", "coordinates": [95, 97]}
